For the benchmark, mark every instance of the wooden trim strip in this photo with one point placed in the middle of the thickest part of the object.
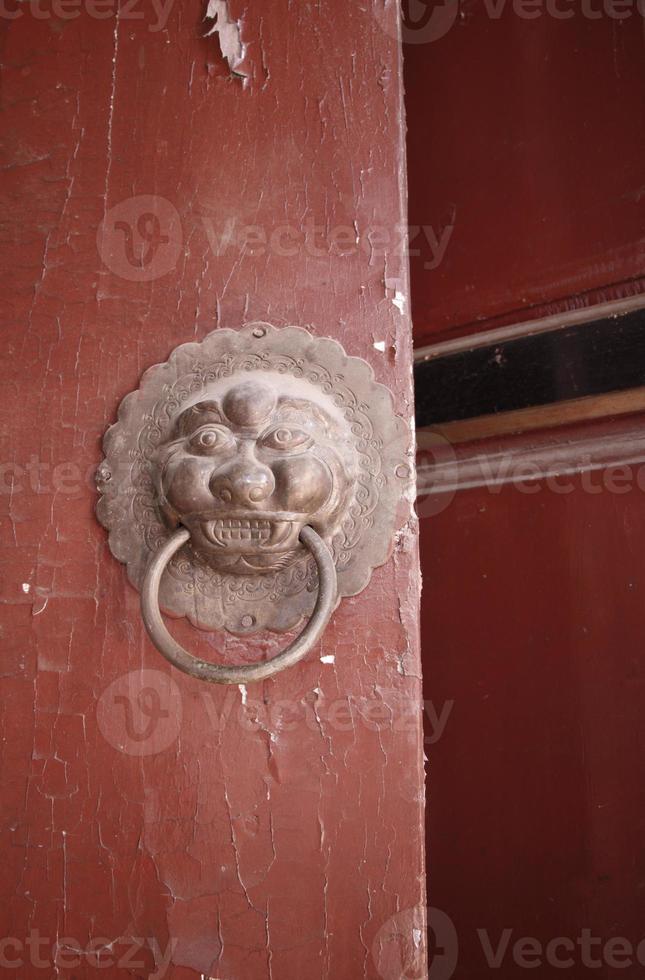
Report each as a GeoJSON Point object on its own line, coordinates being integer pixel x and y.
{"type": "Point", "coordinates": [443, 468]}
{"type": "Point", "coordinates": [529, 328]}
{"type": "Point", "coordinates": [566, 365]}
{"type": "Point", "coordinates": [613, 404]}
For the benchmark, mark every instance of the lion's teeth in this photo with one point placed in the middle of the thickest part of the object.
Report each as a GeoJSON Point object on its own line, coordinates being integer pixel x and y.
{"type": "Point", "coordinates": [237, 529]}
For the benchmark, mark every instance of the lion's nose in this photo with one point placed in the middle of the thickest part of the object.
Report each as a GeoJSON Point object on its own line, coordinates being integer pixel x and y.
{"type": "Point", "coordinates": [245, 483]}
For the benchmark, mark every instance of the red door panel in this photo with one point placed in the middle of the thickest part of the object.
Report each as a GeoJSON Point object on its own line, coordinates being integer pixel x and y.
{"type": "Point", "coordinates": [526, 137]}
{"type": "Point", "coordinates": [155, 191]}
{"type": "Point", "coordinates": [538, 800]}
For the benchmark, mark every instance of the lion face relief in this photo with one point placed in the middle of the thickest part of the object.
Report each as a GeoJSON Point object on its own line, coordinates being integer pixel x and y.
{"type": "Point", "coordinates": [252, 462]}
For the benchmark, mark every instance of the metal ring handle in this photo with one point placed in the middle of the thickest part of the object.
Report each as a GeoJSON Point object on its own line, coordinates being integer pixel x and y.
{"type": "Point", "coordinates": [219, 673]}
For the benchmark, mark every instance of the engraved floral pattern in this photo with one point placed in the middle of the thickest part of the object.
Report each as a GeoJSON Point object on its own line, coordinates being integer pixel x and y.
{"type": "Point", "coordinates": [129, 508]}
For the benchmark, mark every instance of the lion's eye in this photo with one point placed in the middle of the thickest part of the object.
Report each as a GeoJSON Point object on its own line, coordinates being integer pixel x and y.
{"type": "Point", "coordinates": [209, 439]}
{"type": "Point", "coordinates": [286, 438]}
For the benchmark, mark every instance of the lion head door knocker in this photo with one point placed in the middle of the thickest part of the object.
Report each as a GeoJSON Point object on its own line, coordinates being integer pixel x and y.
{"type": "Point", "coordinates": [250, 482]}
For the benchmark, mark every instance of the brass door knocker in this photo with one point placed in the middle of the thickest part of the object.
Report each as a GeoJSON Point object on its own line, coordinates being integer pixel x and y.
{"type": "Point", "coordinates": [250, 482]}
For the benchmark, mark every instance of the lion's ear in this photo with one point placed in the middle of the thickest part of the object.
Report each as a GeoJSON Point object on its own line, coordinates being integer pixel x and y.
{"type": "Point", "coordinates": [197, 415]}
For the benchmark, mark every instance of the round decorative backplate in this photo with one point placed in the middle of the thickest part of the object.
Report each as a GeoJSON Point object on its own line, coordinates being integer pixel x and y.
{"type": "Point", "coordinates": [244, 439]}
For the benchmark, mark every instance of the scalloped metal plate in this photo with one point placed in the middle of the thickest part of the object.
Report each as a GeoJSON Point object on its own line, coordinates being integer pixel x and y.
{"type": "Point", "coordinates": [278, 601]}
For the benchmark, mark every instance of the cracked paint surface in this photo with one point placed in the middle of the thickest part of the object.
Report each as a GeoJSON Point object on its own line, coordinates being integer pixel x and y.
{"type": "Point", "coordinates": [152, 825]}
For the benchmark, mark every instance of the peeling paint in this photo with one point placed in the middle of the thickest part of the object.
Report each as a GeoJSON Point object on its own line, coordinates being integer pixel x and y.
{"type": "Point", "coordinates": [395, 289]}
{"type": "Point", "coordinates": [211, 818]}
{"type": "Point", "coordinates": [380, 345]}
{"type": "Point", "coordinates": [229, 34]}
{"type": "Point", "coordinates": [399, 301]}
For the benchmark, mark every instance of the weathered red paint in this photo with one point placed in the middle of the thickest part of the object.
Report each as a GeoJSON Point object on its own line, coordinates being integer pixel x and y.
{"type": "Point", "coordinates": [269, 833]}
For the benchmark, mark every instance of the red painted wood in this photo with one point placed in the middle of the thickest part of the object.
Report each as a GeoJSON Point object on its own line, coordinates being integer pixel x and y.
{"type": "Point", "coordinates": [538, 800]}
{"type": "Point", "coordinates": [275, 836]}
{"type": "Point", "coordinates": [525, 147]}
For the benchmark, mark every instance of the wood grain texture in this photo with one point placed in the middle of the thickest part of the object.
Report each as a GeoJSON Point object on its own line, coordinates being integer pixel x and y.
{"type": "Point", "coordinates": [608, 406]}
{"type": "Point", "coordinates": [273, 832]}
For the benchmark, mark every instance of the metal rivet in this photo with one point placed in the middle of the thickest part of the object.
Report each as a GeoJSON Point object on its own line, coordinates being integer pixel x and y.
{"type": "Point", "coordinates": [259, 332]}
